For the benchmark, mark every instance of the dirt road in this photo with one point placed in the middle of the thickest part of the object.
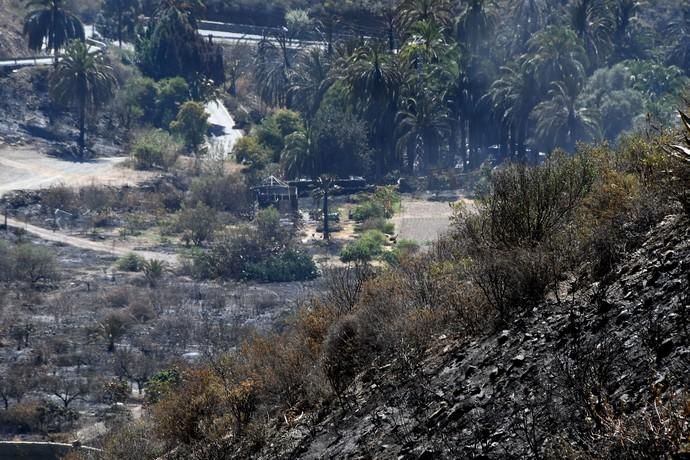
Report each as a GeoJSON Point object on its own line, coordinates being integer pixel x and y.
{"type": "Point", "coordinates": [25, 167]}
{"type": "Point", "coordinates": [115, 248]}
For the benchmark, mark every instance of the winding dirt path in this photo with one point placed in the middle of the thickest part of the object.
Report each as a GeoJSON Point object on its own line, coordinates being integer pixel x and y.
{"type": "Point", "coordinates": [26, 167]}
{"type": "Point", "coordinates": [113, 247]}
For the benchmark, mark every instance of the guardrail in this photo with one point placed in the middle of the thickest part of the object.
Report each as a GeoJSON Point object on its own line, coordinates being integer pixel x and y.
{"type": "Point", "coordinates": [42, 59]}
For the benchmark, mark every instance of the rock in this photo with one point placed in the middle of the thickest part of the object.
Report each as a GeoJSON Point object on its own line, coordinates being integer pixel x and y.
{"type": "Point", "coordinates": [665, 348]}
{"type": "Point", "coordinates": [518, 360]}
{"type": "Point", "coordinates": [503, 338]}
{"type": "Point", "coordinates": [622, 317]}
{"type": "Point", "coordinates": [494, 373]}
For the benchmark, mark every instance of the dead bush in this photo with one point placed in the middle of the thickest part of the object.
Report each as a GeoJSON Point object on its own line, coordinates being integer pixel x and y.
{"type": "Point", "coordinates": [118, 297]}
{"type": "Point", "coordinates": [185, 412]}
{"type": "Point", "coordinates": [341, 358]}
{"type": "Point", "coordinates": [527, 205]}
{"type": "Point", "coordinates": [24, 417]}
{"type": "Point", "coordinates": [59, 197]}
{"type": "Point", "coordinates": [343, 285]}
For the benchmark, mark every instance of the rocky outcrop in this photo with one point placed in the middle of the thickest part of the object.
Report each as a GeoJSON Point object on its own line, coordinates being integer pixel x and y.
{"type": "Point", "coordinates": [581, 373]}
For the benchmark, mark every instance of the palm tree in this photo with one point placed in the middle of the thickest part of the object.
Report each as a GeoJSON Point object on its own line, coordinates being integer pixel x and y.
{"type": "Point", "coordinates": [300, 156]}
{"type": "Point", "coordinates": [557, 54]}
{"type": "Point", "coordinates": [631, 38]}
{"type": "Point", "coordinates": [49, 23]}
{"type": "Point", "coordinates": [529, 17]}
{"type": "Point", "coordinates": [410, 12]}
{"type": "Point", "coordinates": [475, 20]}
{"type": "Point", "coordinates": [82, 81]}
{"type": "Point", "coordinates": [426, 44]}
{"type": "Point", "coordinates": [593, 22]}
{"type": "Point", "coordinates": [679, 31]}
{"type": "Point", "coordinates": [374, 80]}
{"type": "Point", "coordinates": [422, 123]}
{"type": "Point", "coordinates": [514, 94]}
{"type": "Point", "coordinates": [310, 80]}
{"type": "Point", "coordinates": [563, 120]}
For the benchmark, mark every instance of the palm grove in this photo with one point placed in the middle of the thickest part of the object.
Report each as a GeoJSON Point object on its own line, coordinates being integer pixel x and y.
{"type": "Point", "coordinates": [442, 84]}
{"type": "Point", "coordinates": [426, 84]}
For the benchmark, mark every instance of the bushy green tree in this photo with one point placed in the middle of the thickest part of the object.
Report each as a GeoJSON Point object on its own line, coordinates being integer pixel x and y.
{"type": "Point", "coordinates": [192, 124]}
{"type": "Point", "coordinates": [135, 102]}
{"type": "Point", "coordinates": [250, 151]}
{"type": "Point", "coordinates": [171, 94]}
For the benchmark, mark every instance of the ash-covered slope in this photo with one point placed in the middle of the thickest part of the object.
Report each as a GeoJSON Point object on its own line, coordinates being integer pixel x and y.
{"type": "Point", "coordinates": [599, 373]}
{"type": "Point", "coordinates": [12, 44]}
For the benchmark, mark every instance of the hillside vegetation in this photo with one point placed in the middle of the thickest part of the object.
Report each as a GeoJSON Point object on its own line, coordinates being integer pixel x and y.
{"type": "Point", "coordinates": [550, 323]}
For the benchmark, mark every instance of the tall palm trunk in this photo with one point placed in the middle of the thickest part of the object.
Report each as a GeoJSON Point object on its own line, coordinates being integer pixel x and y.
{"type": "Point", "coordinates": [119, 24]}
{"type": "Point", "coordinates": [463, 144]}
{"type": "Point", "coordinates": [326, 230]}
{"type": "Point", "coordinates": [452, 144]}
{"type": "Point", "coordinates": [82, 121]}
{"type": "Point", "coordinates": [53, 38]}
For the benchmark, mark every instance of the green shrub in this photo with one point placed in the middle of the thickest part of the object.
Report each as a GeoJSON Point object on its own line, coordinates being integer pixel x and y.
{"type": "Point", "coordinates": [248, 150]}
{"type": "Point", "coordinates": [191, 123]}
{"type": "Point", "coordinates": [172, 93]}
{"type": "Point", "coordinates": [382, 204]}
{"type": "Point", "coordinates": [286, 266]}
{"type": "Point", "coordinates": [197, 223]}
{"type": "Point", "coordinates": [380, 224]}
{"type": "Point", "coordinates": [527, 205]}
{"type": "Point", "coordinates": [274, 129]}
{"type": "Point", "coordinates": [155, 148]}
{"type": "Point", "coordinates": [135, 102]}
{"type": "Point", "coordinates": [403, 248]}
{"type": "Point", "coordinates": [130, 263]}
{"type": "Point", "coordinates": [367, 211]}
{"type": "Point", "coordinates": [6, 262]}
{"type": "Point", "coordinates": [368, 246]}
{"type": "Point", "coordinates": [268, 228]}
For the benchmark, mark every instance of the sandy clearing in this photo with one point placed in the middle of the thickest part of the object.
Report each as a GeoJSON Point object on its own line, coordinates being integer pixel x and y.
{"type": "Point", "coordinates": [421, 220]}
{"type": "Point", "coordinates": [27, 168]}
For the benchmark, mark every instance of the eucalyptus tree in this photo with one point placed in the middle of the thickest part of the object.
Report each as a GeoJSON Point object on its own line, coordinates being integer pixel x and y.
{"type": "Point", "coordinates": [171, 46]}
{"type": "Point", "coordinates": [49, 23]}
{"type": "Point", "coordinates": [118, 19]}
{"type": "Point", "coordinates": [83, 81]}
